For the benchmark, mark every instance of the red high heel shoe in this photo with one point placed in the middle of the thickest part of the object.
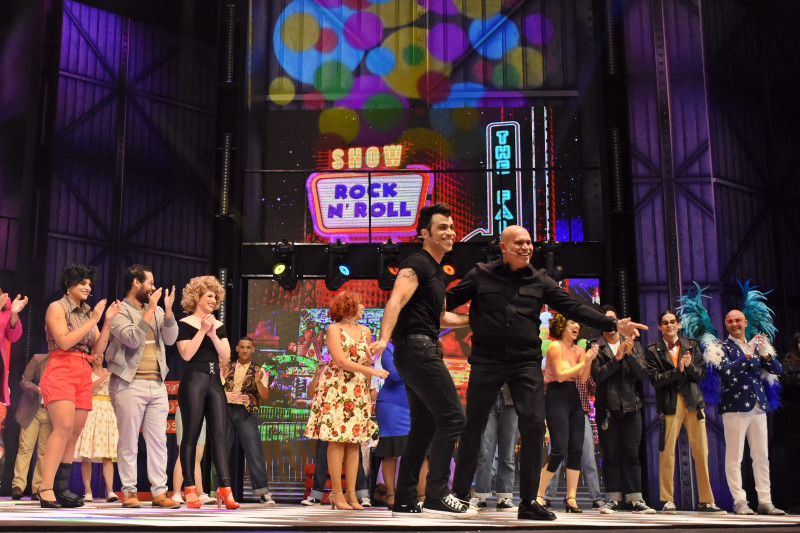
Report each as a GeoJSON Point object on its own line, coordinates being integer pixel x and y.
{"type": "Point", "coordinates": [191, 498]}
{"type": "Point", "coordinates": [224, 495]}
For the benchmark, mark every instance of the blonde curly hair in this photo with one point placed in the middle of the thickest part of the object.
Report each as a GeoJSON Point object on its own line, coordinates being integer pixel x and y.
{"type": "Point", "coordinates": [196, 288]}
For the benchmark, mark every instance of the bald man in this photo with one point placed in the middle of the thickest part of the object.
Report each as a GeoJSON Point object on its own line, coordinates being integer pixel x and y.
{"type": "Point", "coordinates": [507, 296]}
{"type": "Point", "coordinates": [743, 407]}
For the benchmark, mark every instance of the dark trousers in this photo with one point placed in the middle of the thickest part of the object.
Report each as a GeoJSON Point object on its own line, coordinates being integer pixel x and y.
{"type": "Point", "coordinates": [567, 424]}
{"type": "Point", "coordinates": [437, 417]}
{"type": "Point", "coordinates": [620, 440]}
{"type": "Point", "coordinates": [200, 395]}
{"type": "Point", "coordinates": [245, 424]}
{"type": "Point", "coordinates": [321, 473]}
{"type": "Point", "coordinates": [527, 390]}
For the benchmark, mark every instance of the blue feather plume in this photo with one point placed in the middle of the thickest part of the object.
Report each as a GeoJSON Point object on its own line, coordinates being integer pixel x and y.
{"type": "Point", "coordinates": [711, 386]}
{"type": "Point", "coordinates": [760, 318]}
{"type": "Point", "coordinates": [773, 392]}
{"type": "Point", "coordinates": [693, 315]}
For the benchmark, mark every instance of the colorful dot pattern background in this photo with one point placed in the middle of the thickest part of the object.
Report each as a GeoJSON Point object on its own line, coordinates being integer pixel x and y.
{"type": "Point", "coordinates": [379, 54]}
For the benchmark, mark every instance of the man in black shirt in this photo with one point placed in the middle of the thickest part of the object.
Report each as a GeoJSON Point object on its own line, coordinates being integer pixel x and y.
{"type": "Point", "coordinates": [411, 320]}
{"type": "Point", "coordinates": [507, 296]}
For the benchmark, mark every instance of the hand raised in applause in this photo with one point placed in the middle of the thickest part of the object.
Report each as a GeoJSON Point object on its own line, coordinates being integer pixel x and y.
{"type": "Point", "coordinates": [18, 304]}
{"type": "Point", "coordinates": [207, 324]}
{"type": "Point", "coordinates": [97, 312]}
{"type": "Point", "coordinates": [154, 297]}
{"type": "Point", "coordinates": [686, 360]}
{"type": "Point", "coordinates": [592, 352]}
{"type": "Point", "coordinates": [625, 348]}
{"type": "Point", "coordinates": [112, 310]}
{"type": "Point", "coordinates": [169, 299]}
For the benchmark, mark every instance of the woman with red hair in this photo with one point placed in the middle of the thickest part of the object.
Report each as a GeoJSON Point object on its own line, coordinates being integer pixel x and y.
{"type": "Point", "coordinates": [341, 410]}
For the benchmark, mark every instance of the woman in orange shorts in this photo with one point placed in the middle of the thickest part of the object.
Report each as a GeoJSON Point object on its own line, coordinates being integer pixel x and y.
{"type": "Point", "coordinates": [73, 339]}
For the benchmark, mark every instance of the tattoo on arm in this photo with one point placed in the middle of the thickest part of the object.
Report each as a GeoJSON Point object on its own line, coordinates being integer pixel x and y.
{"type": "Point", "coordinates": [408, 274]}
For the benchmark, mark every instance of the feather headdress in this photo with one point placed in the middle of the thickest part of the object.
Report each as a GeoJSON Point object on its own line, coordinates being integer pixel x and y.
{"type": "Point", "coordinates": [695, 322]}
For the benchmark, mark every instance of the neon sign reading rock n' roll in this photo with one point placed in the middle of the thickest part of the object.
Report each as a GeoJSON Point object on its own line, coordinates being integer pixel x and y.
{"type": "Point", "coordinates": [345, 205]}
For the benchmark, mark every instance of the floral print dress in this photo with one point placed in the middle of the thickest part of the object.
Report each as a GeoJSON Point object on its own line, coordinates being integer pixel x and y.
{"type": "Point", "coordinates": [341, 409]}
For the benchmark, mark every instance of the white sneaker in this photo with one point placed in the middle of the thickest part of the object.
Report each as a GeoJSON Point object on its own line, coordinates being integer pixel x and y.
{"type": "Point", "coordinates": [112, 497]}
{"type": "Point", "coordinates": [310, 501]}
{"type": "Point", "coordinates": [205, 499]}
{"type": "Point", "coordinates": [177, 497]}
{"type": "Point", "coordinates": [365, 502]}
{"type": "Point", "coordinates": [88, 497]}
{"type": "Point", "coordinates": [266, 499]}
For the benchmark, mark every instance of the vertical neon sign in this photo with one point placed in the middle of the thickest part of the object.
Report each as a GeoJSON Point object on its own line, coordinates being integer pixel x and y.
{"type": "Point", "coordinates": [503, 179]}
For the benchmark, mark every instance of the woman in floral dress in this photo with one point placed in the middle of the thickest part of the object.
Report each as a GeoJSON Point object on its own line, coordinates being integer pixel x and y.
{"type": "Point", "coordinates": [341, 410]}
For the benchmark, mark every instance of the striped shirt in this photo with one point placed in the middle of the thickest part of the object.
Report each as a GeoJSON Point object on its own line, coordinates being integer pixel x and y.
{"type": "Point", "coordinates": [77, 316]}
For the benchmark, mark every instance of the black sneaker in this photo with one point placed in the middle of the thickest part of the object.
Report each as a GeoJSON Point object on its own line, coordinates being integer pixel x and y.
{"type": "Point", "coordinates": [407, 510]}
{"type": "Point", "coordinates": [506, 505]}
{"type": "Point", "coordinates": [448, 506]}
{"type": "Point", "coordinates": [531, 510]}
{"type": "Point", "coordinates": [639, 507]}
{"type": "Point", "coordinates": [711, 508]}
{"type": "Point", "coordinates": [597, 504]}
{"type": "Point", "coordinates": [609, 508]}
{"type": "Point", "coordinates": [477, 503]}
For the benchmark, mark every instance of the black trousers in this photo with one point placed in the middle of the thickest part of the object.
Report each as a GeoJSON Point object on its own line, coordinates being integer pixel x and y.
{"type": "Point", "coordinates": [567, 424]}
{"type": "Point", "coordinates": [200, 395]}
{"type": "Point", "coordinates": [526, 384]}
{"type": "Point", "coordinates": [622, 470]}
{"type": "Point", "coordinates": [437, 417]}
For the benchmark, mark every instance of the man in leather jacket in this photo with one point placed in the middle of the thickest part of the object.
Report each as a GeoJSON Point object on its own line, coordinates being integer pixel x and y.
{"type": "Point", "coordinates": [676, 367]}
{"type": "Point", "coordinates": [618, 371]}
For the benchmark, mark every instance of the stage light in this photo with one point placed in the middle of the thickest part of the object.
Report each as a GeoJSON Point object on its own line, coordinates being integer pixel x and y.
{"type": "Point", "coordinates": [388, 264]}
{"type": "Point", "coordinates": [283, 271]}
{"type": "Point", "coordinates": [338, 269]}
{"type": "Point", "coordinates": [449, 267]}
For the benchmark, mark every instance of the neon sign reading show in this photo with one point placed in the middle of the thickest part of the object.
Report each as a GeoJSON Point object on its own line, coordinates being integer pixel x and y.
{"type": "Point", "coordinates": [503, 185]}
{"type": "Point", "coordinates": [347, 205]}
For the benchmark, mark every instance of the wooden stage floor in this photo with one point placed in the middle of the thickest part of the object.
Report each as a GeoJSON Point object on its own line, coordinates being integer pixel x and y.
{"type": "Point", "coordinates": [25, 515]}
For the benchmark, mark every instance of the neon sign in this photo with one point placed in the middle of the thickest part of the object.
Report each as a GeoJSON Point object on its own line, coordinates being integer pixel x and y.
{"type": "Point", "coordinates": [503, 185]}
{"type": "Point", "coordinates": [347, 205]}
{"type": "Point", "coordinates": [357, 157]}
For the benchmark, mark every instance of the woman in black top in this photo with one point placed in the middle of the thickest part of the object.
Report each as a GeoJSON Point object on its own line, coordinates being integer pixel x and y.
{"type": "Point", "coordinates": [203, 343]}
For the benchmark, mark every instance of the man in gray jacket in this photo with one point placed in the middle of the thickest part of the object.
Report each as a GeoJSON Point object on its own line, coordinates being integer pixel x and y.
{"type": "Point", "coordinates": [138, 365]}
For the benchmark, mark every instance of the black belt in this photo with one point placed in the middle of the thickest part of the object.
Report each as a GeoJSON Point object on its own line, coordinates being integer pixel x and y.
{"type": "Point", "coordinates": [204, 367]}
{"type": "Point", "coordinates": [415, 337]}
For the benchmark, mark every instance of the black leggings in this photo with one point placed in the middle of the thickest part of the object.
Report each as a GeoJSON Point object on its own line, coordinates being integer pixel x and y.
{"type": "Point", "coordinates": [566, 423]}
{"type": "Point", "coordinates": [200, 395]}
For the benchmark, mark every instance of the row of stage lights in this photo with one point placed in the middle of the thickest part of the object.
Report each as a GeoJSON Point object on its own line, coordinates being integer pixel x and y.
{"type": "Point", "coordinates": [284, 270]}
{"type": "Point", "coordinates": [339, 268]}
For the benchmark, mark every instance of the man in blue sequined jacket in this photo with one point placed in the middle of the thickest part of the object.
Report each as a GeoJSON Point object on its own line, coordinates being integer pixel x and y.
{"type": "Point", "coordinates": [746, 371]}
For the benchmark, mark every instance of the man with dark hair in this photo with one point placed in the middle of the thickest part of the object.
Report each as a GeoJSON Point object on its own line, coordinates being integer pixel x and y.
{"type": "Point", "coordinates": [246, 385]}
{"type": "Point", "coordinates": [411, 320]}
{"type": "Point", "coordinates": [507, 296]}
{"type": "Point", "coordinates": [137, 361]}
{"type": "Point", "coordinates": [676, 367]}
{"type": "Point", "coordinates": [618, 371]}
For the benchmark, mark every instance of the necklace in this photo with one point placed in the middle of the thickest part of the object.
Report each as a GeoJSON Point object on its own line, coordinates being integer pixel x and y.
{"type": "Point", "coordinates": [350, 321]}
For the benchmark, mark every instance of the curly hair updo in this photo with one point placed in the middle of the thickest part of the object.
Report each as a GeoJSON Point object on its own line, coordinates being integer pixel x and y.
{"type": "Point", "coordinates": [557, 325]}
{"type": "Point", "coordinates": [196, 288]}
{"type": "Point", "coordinates": [344, 304]}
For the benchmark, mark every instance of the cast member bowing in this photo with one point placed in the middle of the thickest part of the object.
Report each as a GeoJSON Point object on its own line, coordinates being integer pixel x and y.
{"type": "Point", "coordinates": [203, 343]}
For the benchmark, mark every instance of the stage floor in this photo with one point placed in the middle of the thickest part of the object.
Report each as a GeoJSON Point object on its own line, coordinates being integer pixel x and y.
{"type": "Point", "coordinates": [28, 516]}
